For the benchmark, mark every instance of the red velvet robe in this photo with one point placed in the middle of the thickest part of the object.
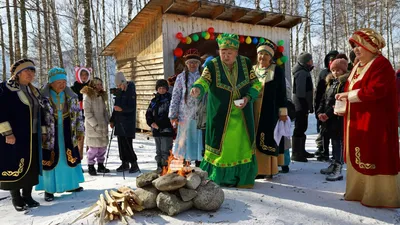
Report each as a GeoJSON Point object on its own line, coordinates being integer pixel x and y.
{"type": "Point", "coordinates": [370, 131]}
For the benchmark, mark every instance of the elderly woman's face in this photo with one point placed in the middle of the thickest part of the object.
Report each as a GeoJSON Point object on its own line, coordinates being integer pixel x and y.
{"type": "Point", "coordinates": [58, 86]}
{"type": "Point", "coordinates": [363, 55]}
{"type": "Point", "coordinates": [263, 58]}
{"type": "Point", "coordinates": [228, 56]}
{"type": "Point", "coordinates": [26, 76]}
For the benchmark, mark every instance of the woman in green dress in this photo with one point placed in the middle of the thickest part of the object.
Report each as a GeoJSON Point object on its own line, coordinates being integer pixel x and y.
{"type": "Point", "coordinates": [232, 88]}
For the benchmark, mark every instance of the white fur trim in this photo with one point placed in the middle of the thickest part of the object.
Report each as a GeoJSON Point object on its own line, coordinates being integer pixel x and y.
{"type": "Point", "coordinates": [5, 127]}
{"type": "Point", "coordinates": [353, 96]}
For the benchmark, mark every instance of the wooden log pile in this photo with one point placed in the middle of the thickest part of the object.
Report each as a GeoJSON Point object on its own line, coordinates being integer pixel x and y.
{"type": "Point", "coordinates": [115, 205]}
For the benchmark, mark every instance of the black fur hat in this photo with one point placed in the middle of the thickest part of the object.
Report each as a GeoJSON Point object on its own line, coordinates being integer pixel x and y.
{"type": "Point", "coordinates": [162, 83]}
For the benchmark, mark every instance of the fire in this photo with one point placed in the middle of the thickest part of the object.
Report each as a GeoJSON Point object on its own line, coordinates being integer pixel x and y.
{"type": "Point", "coordinates": [176, 165]}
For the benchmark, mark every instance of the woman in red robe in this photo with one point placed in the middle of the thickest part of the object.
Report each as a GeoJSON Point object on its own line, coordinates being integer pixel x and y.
{"type": "Point", "coordinates": [370, 133]}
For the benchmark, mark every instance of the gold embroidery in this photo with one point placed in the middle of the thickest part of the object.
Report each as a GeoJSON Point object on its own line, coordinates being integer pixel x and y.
{"type": "Point", "coordinates": [206, 74]}
{"type": "Point", "coordinates": [49, 163]}
{"type": "Point", "coordinates": [70, 158]}
{"type": "Point", "coordinates": [15, 173]}
{"type": "Point", "coordinates": [264, 147]}
{"type": "Point", "coordinates": [361, 164]}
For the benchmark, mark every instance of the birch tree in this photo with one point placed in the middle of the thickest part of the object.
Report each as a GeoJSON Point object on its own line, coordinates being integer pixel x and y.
{"type": "Point", "coordinates": [23, 30]}
{"type": "Point", "coordinates": [10, 32]}
{"type": "Point", "coordinates": [3, 50]}
{"type": "Point", "coordinates": [87, 33]}
{"type": "Point", "coordinates": [16, 32]}
{"type": "Point", "coordinates": [57, 33]}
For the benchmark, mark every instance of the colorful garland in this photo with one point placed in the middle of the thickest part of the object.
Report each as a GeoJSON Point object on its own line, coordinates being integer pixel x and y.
{"type": "Point", "coordinates": [210, 35]}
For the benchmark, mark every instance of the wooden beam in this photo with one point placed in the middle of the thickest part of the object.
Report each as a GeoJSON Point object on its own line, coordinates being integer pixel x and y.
{"type": "Point", "coordinates": [258, 18]}
{"type": "Point", "coordinates": [238, 15]}
{"type": "Point", "coordinates": [218, 11]}
{"type": "Point", "coordinates": [276, 21]}
{"type": "Point", "coordinates": [194, 8]}
{"type": "Point", "coordinates": [292, 23]}
{"type": "Point", "coordinates": [168, 5]}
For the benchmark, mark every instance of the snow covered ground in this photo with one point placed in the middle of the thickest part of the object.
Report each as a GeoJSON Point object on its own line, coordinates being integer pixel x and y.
{"type": "Point", "coordinates": [299, 197]}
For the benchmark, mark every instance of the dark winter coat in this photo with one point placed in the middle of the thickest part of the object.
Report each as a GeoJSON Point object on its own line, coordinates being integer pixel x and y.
{"type": "Point", "coordinates": [321, 83]}
{"type": "Point", "coordinates": [302, 88]}
{"type": "Point", "coordinates": [334, 125]}
{"type": "Point", "coordinates": [19, 163]}
{"type": "Point", "coordinates": [125, 121]}
{"type": "Point", "coordinates": [158, 113]}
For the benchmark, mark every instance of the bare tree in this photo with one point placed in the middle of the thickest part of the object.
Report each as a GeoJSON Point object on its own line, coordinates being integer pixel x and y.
{"type": "Point", "coordinates": [10, 32]}
{"type": "Point", "coordinates": [47, 43]}
{"type": "Point", "coordinates": [96, 33]}
{"type": "Point", "coordinates": [130, 9]}
{"type": "Point", "coordinates": [75, 30]}
{"type": "Point", "coordinates": [16, 32]}
{"type": "Point", "coordinates": [23, 30]}
{"type": "Point", "coordinates": [40, 43]}
{"type": "Point", "coordinates": [87, 33]}
{"type": "Point", "coordinates": [324, 25]}
{"type": "Point", "coordinates": [57, 33]}
{"type": "Point", "coordinates": [3, 51]}
{"type": "Point", "coordinates": [307, 6]}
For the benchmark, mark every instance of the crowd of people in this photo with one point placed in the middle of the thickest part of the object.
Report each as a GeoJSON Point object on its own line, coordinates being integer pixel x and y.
{"type": "Point", "coordinates": [228, 116]}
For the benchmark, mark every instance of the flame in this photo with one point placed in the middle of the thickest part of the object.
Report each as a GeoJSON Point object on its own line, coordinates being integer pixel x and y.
{"type": "Point", "coordinates": [183, 168]}
{"type": "Point", "coordinates": [167, 169]}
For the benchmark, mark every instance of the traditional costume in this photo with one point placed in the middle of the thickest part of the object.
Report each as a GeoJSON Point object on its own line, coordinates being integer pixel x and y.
{"type": "Point", "coordinates": [20, 115]}
{"type": "Point", "coordinates": [61, 158]}
{"type": "Point", "coordinates": [229, 158]}
{"type": "Point", "coordinates": [371, 141]}
{"type": "Point", "coordinates": [183, 107]}
{"type": "Point", "coordinates": [270, 104]}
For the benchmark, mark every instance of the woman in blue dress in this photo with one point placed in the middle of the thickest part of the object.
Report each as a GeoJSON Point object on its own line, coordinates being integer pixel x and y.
{"type": "Point", "coordinates": [61, 158]}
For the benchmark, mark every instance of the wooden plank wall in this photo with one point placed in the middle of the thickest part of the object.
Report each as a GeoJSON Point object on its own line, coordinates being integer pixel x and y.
{"type": "Point", "coordinates": [173, 24]}
{"type": "Point", "coordinates": [142, 62]}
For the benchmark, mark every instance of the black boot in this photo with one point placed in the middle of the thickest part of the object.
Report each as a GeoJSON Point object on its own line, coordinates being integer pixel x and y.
{"type": "Point", "coordinates": [285, 169]}
{"type": "Point", "coordinates": [92, 170]}
{"type": "Point", "coordinates": [134, 168]}
{"type": "Point", "coordinates": [124, 167]}
{"type": "Point", "coordinates": [48, 197]}
{"type": "Point", "coordinates": [27, 197]}
{"type": "Point", "coordinates": [324, 157]}
{"type": "Point", "coordinates": [329, 169]}
{"type": "Point", "coordinates": [197, 163]}
{"type": "Point", "coordinates": [17, 200]}
{"type": "Point", "coordinates": [297, 150]}
{"type": "Point", "coordinates": [303, 146]}
{"type": "Point", "coordinates": [319, 151]}
{"type": "Point", "coordinates": [159, 168]}
{"type": "Point", "coordinates": [102, 169]}
{"type": "Point", "coordinates": [336, 174]}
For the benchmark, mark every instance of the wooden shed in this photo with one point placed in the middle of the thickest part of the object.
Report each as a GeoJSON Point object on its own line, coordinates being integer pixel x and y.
{"type": "Point", "coordinates": [144, 48]}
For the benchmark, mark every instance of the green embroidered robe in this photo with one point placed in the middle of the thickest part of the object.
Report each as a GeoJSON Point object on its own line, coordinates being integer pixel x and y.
{"type": "Point", "coordinates": [221, 96]}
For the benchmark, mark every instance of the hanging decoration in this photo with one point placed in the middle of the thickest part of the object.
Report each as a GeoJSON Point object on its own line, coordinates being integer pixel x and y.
{"type": "Point", "coordinates": [210, 34]}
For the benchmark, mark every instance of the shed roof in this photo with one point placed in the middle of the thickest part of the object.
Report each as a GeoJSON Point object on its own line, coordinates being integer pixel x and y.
{"type": "Point", "coordinates": [202, 9]}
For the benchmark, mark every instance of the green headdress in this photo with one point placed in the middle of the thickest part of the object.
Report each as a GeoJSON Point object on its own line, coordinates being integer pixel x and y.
{"type": "Point", "coordinates": [228, 41]}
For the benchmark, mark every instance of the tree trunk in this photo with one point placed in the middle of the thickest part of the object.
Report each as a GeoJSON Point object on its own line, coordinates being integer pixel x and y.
{"type": "Point", "coordinates": [324, 25]}
{"type": "Point", "coordinates": [3, 51]}
{"type": "Point", "coordinates": [346, 25]}
{"type": "Point", "coordinates": [307, 23]}
{"type": "Point", "coordinates": [87, 33]}
{"type": "Point", "coordinates": [271, 5]}
{"type": "Point", "coordinates": [10, 32]}
{"type": "Point", "coordinates": [130, 9]}
{"type": "Point", "coordinates": [75, 32]}
{"type": "Point", "coordinates": [354, 11]}
{"type": "Point", "coordinates": [387, 28]}
{"type": "Point", "coordinates": [40, 44]}
{"type": "Point", "coordinates": [23, 29]}
{"type": "Point", "coordinates": [368, 13]}
{"type": "Point", "coordinates": [95, 18]}
{"type": "Point", "coordinates": [257, 4]}
{"type": "Point", "coordinates": [332, 25]}
{"type": "Point", "coordinates": [47, 33]}
{"type": "Point", "coordinates": [16, 32]}
{"type": "Point", "coordinates": [103, 45]}
{"type": "Point", "coordinates": [57, 33]}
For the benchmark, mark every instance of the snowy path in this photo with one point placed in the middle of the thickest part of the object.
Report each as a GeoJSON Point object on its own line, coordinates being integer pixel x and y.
{"type": "Point", "coordinates": [299, 197]}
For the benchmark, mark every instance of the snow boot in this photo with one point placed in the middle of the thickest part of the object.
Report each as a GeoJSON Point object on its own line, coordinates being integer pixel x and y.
{"type": "Point", "coordinates": [285, 169]}
{"type": "Point", "coordinates": [336, 174]}
{"type": "Point", "coordinates": [27, 197]}
{"type": "Point", "coordinates": [48, 197]}
{"type": "Point", "coordinates": [159, 168]}
{"type": "Point", "coordinates": [102, 169]}
{"type": "Point", "coordinates": [134, 168]}
{"type": "Point", "coordinates": [92, 170]}
{"type": "Point", "coordinates": [17, 200]}
{"type": "Point", "coordinates": [303, 146]}
{"type": "Point", "coordinates": [297, 150]}
{"type": "Point", "coordinates": [329, 169]}
{"type": "Point", "coordinates": [123, 167]}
